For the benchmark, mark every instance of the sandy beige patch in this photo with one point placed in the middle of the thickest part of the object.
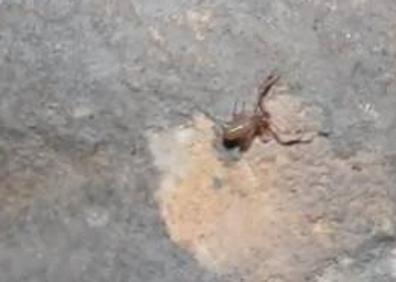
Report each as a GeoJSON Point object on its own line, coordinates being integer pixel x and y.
{"type": "Point", "coordinates": [276, 212]}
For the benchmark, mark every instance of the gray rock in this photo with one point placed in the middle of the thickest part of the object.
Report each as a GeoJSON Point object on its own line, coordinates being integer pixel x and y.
{"type": "Point", "coordinates": [81, 82]}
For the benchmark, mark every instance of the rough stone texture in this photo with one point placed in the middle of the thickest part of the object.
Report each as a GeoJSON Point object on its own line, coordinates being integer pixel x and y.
{"type": "Point", "coordinates": [278, 211]}
{"type": "Point", "coordinates": [85, 85]}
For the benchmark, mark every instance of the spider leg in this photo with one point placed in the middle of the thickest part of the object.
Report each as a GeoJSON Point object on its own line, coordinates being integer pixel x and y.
{"type": "Point", "coordinates": [264, 89]}
{"type": "Point", "coordinates": [234, 110]}
{"type": "Point", "coordinates": [243, 107]}
{"type": "Point", "coordinates": [282, 142]}
{"type": "Point", "coordinates": [269, 131]}
{"type": "Point", "coordinates": [276, 137]}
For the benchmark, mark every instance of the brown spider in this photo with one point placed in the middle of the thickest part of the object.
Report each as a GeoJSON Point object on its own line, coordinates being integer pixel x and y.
{"type": "Point", "coordinates": [245, 127]}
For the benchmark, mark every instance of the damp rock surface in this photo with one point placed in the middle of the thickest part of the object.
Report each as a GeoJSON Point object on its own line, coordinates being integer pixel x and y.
{"type": "Point", "coordinates": [111, 167]}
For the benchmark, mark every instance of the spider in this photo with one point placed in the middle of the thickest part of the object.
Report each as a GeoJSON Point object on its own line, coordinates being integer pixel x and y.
{"type": "Point", "coordinates": [245, 127]}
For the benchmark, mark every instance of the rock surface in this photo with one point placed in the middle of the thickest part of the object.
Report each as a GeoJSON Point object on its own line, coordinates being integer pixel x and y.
{"type": "Point", "coordinates": [279, 211]}
{"type": "Point", "coordinates": [110, 168]}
